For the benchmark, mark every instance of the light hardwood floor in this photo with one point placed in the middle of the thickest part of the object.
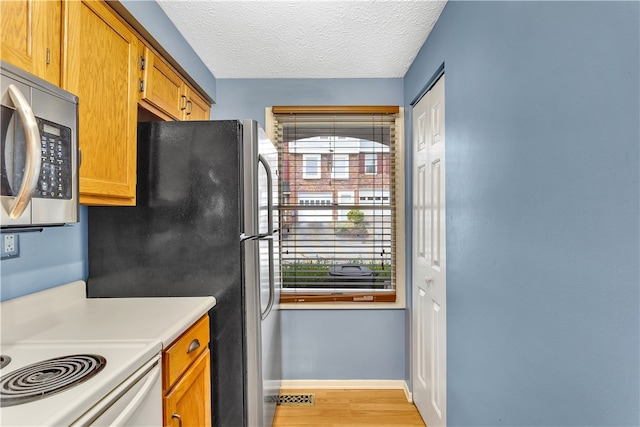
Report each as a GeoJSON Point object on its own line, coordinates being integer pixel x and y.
{"type": "Point", "coordinates": [344, 408]}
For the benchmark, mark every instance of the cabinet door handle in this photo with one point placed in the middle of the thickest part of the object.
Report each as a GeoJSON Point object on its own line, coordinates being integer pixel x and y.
{"type": "Point", "coordinates": [184, 102]}
{"type": "Point", "coordinates": [190, 104]}
{"type": "Point", "coordinates": [195, 344]}
{"type": "Point", "coordinates": [178, 417]}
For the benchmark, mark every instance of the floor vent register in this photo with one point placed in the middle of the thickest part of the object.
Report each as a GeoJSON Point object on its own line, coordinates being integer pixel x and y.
{"type": "Point", "coordinates": [296, 399]}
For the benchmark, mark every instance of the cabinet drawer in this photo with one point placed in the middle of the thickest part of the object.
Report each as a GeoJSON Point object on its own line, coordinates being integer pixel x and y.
{"type": "Point", "coordinates": [184, 351]}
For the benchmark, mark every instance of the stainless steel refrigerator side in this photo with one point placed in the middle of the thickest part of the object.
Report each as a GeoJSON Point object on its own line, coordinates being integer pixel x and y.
{"type": "Point", "coordinates": [263, 329]}
{"type": "Point", "coordinates": [253, 391]}
{"type": "Point", "coordinates": [271, 346]}
{"type": "Point", "coordinates": [271, 341]}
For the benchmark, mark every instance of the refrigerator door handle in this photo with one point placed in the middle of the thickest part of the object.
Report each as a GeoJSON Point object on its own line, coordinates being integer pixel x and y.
{"type": "Point", "coordinates": [272, 290]}
{"type": "Point", "coordinates": [269, 193]}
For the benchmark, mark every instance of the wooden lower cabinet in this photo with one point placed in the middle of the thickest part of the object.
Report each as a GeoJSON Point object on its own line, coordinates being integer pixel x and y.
{"type": "Point", "coordinates": [188, 403]}
{"type": "Point", "coordinates": [186, 378]}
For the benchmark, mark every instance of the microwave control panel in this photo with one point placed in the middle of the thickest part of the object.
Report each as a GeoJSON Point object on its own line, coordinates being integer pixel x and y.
{"type": "Point", "coordinates": [56, 171]}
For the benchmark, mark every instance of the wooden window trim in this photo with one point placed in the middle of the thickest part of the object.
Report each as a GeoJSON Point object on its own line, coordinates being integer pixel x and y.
{"type": "Point", "coordinates": [324, 302]}
{"type": "Point", "coordinates": [335, 109]}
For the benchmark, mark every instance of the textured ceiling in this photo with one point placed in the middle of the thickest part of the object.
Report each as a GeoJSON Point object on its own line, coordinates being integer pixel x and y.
{"type": "Point", "coordinates": [305, 38]}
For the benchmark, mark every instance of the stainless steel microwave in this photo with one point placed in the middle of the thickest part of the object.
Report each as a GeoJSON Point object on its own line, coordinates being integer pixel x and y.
{"type": "Point", "coordinates": [39, 153]}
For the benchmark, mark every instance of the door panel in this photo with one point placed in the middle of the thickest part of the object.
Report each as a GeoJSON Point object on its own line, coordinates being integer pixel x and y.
{"type": "Point", "coordinates": [429, 259]}
{"type": "Point", "coordinates": [435, 354]}
{"type": "Point", "coordinates": [435, 214]}
{"type": "Point", "coordinates": [421, 335]}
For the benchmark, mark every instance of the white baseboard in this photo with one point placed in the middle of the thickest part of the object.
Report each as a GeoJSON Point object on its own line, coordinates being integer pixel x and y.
{"type": "Point", "coordinates": [348, 385]}
{"type": "Point", "coordinates": [407, 392]}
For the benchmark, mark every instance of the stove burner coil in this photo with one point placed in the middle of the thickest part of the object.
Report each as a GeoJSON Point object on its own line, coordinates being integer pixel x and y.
{"type": "Point", "coordinates": [48, 377]}
{"type": "Point", "coordinates": [4, 360]}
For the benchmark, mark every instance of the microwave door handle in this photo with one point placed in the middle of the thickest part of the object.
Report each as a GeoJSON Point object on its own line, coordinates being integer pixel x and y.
{"type": "Point", "coordinates": [33, 160]}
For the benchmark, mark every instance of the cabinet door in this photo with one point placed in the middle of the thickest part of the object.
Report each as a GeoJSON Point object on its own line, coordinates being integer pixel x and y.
{"type": "Point", "coordinates": [31, 37]}
{"type": "Point", "coordinates": [103, 72]}
{"type": "Point", "coordinates": [162, 87]}
{"type": "Point", "coordinates": [197, 107]}
{"type": "Point", "coordinates": [189, 401]}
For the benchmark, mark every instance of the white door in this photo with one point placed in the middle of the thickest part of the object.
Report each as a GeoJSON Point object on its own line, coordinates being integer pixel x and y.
{"type": "Point", "coordinates": [429, 306]}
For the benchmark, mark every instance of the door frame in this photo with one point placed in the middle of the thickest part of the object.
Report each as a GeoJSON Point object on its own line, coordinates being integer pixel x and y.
{"type": "Point", "coordinates": [410, 316]}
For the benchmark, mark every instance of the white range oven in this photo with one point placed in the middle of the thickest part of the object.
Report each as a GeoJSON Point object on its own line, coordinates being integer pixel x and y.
{"type": "Point", "coordinates": [80, 383]}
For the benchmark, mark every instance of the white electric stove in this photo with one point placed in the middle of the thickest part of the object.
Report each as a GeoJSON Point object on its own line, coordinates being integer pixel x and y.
{"type": "Point", "coordinates": [80, 383]}
{"type": "Point", "coordinates": [117, 340]}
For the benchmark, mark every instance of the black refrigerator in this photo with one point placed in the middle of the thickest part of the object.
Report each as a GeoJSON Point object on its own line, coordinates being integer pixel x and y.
{"type": "Point", "coordinates": [205, 223]}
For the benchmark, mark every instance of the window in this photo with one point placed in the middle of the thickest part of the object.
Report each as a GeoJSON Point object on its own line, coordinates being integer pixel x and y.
{"type": "Point", "coordinates": [340, 167]}
{"type": "Point", "coordinates": [339, 231]}
{"type": "Point", "coordinates": [371, 164]}
{"type": "Point", "coordinates": [311, 166]}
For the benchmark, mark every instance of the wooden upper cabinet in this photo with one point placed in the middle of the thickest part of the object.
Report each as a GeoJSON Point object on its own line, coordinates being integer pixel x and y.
{"type": "Point", "coordinates": [31, 37]}
{"type": "Point", "coordinates": [165, 93]}
{"type": "Point", "coordinates": [197, 108]}
{"type": "Point", "coordinates": [85, 47]}
{"type": "Point", "coordinates": [103, 72]}
{"type": "Point", "coordinates": [160, 87]}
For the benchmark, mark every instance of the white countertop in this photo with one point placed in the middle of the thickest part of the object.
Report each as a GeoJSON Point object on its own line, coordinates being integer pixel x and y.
{"type": "Point", "coordinates": [64, 313]}
{"type": "Point", "coordinates": [127, 332]}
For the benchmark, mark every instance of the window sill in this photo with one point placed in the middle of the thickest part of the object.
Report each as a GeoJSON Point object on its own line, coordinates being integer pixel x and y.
{"type": "Point", "coordinates": [398, 305]}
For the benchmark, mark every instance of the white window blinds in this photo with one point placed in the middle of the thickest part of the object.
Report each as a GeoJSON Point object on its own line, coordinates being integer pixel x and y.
{"type": "Point", "coordinates": [337, 192]}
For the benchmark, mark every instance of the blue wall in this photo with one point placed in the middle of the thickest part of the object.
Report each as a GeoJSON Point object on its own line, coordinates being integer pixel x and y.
{"type": "Point", "coordinates": [326, 344]}
{"type": "Point", "coordinates": [247, 98]}
{"type": "Point", "coordinates": [542, 122]}
{"type": "Point", "coordinates": [55, 256]}
{"type": "Point", "coordinates": [343, 344]}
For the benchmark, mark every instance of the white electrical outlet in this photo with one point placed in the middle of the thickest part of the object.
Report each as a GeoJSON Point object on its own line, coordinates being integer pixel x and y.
{"type": "Point", "coordinates": [10, 247]}
{"type": "Point", "coordinates": [9, 243]}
